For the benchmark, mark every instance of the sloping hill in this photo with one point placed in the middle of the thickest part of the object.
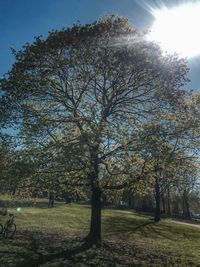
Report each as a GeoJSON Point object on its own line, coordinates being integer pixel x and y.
{"type": "Point", "coordinates": [128, 239]}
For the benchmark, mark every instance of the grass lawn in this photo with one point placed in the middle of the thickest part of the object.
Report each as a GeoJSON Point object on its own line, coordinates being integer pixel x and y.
{"type": "Point", "coordinates": [129, 239]}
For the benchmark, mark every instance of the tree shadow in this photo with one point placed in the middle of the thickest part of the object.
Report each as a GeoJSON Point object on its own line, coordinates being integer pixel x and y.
{"type": "Point", "coordinates": [141, 226]}
{"type": "Point", "coordinates": [63, 249]}
{"type": "Point", "coordinates": [66, 254]}
{"type": "Point", "coordinates": [34, 248]}
{"type": "Point", "coordinates": [145, 227]}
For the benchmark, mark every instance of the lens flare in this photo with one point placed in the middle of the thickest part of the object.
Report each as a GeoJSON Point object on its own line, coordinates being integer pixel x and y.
{"type": "Point", "coordinates": [177, 29]}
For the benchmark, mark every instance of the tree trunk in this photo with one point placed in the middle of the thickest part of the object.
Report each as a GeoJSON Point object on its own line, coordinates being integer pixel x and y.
{"type": "Point", "coordinates": [13, 192]}
{"type": "Point", "coordinates": [188, 215]}
{"type": "Point", "coordinates": [168, 202]}
{"type": "Point", "coordinates": [94, 236]}
{"type": "Point", "coordinates": [157, 198]}
{"type": "Point", "coordinates": [163, 204]}
{"type": "Point", "coordinates": [131, 201]}
{"type": "Point", "coordinates": [186, 207]}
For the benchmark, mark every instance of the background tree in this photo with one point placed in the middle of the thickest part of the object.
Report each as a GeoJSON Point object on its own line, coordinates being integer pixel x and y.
{"type": "Point", "coordinates": [168, 146]}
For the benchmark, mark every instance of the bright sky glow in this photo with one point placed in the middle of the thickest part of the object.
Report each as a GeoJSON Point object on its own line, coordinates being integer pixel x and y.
{"type": "Point", "coordinates": [177, 29]}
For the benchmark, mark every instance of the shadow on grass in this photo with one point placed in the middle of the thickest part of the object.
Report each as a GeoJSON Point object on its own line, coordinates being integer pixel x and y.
{"type": "Point", "coordinates": [36, 248]}
{"type": "Point", "coordinates": [145, 228]}
{"type": "Point", "coordinates": [39, 252]}
{"type": "Point", "coordinates": [65, 249]}
{"type": "Point", "coordinates": [51, 250]}
{"type": "Point", "coordinates": [65, 254]}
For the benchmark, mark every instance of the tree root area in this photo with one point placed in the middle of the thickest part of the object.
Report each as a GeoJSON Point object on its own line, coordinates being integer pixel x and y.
{"type": "Point", "coordinates": [33, 249]}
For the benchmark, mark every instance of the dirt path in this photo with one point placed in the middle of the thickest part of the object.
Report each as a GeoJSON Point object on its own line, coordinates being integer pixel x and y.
{"type": "Point", "coordinates": [168, 219]}
{"type": "Point", "coordinates": [185, 223]}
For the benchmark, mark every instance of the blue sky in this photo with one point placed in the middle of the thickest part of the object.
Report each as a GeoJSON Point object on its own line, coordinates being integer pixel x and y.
{"type": "Point", "coordinates": [21, 20]}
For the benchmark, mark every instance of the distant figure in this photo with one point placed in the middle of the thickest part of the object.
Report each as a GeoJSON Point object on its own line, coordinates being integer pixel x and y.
{"type": "Point", "coordinates": [51, 199]}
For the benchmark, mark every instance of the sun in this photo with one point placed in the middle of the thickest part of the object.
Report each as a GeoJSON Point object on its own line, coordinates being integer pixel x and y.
{"type": "Point", "coordinates": [177, 30]}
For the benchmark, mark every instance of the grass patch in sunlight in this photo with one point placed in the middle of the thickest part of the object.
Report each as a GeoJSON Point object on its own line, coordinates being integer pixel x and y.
{"type": "Point", "coordinates": [133, 239]}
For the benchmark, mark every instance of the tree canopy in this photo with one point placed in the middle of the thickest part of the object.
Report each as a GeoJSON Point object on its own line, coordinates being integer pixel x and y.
{"type": "Point", "coordinates": [82, 96]}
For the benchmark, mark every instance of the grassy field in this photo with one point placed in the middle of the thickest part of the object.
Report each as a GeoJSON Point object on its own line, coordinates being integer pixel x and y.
{"type": "Point", "coordinates": [128, 239]}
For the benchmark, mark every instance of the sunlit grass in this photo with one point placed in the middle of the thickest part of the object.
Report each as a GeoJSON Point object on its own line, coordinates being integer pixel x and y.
{"type": "Point", "coordinates": [153, 242]}
{"type": "Point", "coordinates": [62, 217]}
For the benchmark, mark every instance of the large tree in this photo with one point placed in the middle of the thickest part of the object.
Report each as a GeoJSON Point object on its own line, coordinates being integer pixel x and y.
{"type": "Point", "coordinates": [91, 87]}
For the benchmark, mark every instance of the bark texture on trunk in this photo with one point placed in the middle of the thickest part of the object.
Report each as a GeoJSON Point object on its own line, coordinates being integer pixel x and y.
{"type": "Point", "coordinates": [94, 236]}
{"type": "Point", "coordinates": [131, 201]}
{"type": "Point", "coordinates": [186, 207]}
{"type": "Point", "coordinates": [168, 202]}
{"type": "Point", "coordinates": [157, 198]}
{"type": "Point", "coordinates": [163, 204]}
